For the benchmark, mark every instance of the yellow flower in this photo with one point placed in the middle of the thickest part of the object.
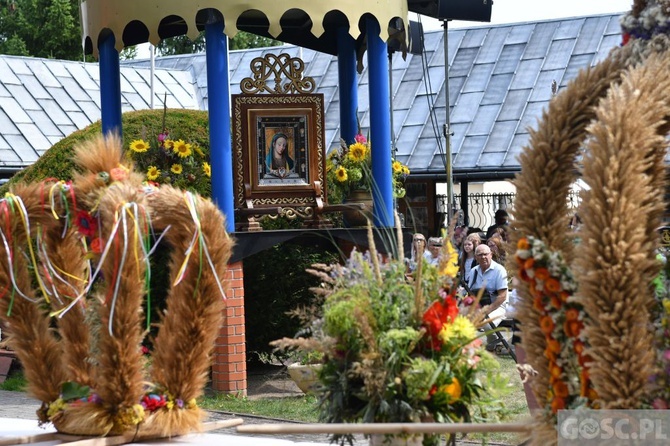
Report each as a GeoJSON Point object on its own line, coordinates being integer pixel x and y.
{"type": "Point", "coordinates": [169, 144]}
{"type": "Point", "coordinates": [357, 152]}
{"type": "Point", "coordinates": [341, 174]}
{"type": "Point", "coordinates": [397, 167]}
{"type": "Point", "coordinates": [139, 146]}
{"type": "Point", "coordinates": [181, 148]}
{"type": "Point", "coordinates": [176, 168]}
{"type": "Point", "coordinates": [405, 170]}
{"type": "Point", "coordinates": [461, 328]}
{"type": "Point", "coordinates": [449, 261]}
{"type": "Point", "coordinates": [56, 407]}
{"type": "Point", "coordinates": [153, 173]}
{"type": "Point", "coordinates": [198, 150]}
{"type": "Point", "coordinates": [207, 169]}
{"type": "Point", "coordinates": [453, 390]}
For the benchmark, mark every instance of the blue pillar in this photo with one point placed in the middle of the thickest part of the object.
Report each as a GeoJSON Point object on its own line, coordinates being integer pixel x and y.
{"type": "Point", "coordinates": [346, 64]}
{"type": "Point", "coordinates": [380, 126]}
{"type": "Point", "coordinates": [219, 121]}
{"type": "Point", "coordinates": [110, 86]}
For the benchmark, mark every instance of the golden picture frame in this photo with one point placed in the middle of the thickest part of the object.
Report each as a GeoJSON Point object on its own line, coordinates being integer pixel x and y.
{"type": "Point", "coordinates": [278, 150]}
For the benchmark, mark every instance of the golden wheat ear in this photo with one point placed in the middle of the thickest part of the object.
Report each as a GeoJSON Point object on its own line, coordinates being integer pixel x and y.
{"type": "Point", "coordinates": [195, 305]}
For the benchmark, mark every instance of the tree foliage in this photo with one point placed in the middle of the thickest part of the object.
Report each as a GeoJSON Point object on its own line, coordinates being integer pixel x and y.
{"type": "Point", "coordinates": [41, 28]}
{"type": "Point", "coordinates": [183, 45]}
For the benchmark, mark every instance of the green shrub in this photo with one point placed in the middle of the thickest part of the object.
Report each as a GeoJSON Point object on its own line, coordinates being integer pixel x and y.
{"type": "Point", "coordinates": [275, 282]}
{"type": "Point", "coordinates": [58, 161]}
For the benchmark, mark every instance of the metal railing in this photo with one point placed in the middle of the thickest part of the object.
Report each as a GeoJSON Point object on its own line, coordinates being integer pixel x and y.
{"type": "Point", "coordinates": [482, 206]}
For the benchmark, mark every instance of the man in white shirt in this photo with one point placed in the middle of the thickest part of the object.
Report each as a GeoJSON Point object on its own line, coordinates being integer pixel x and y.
{"type": "Point", "coordinates": [491, 276]}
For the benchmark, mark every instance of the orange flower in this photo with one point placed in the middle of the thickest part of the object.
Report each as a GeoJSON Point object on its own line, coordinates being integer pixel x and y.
{"type": "Point", "coordinates": [560, 389]}
{"type": "Point", "coordinates": [572, 328]}
{"type": "Point", "coordinates": [555, 371]}
{"type": "Point", "coordinates": [542, 274]}
{"type": "Point", "coordinates": [523, 244]}
{"type": "Point", "coordinates": [572, 314]}
{"type": "Point", "coordinates": [564, 296]}
{"type": "Point", "coordinates": [556, 302]}
{"type": "Point", "coordinates": [579, 347]}
{"type": "Point", "coordinates": [552, 285]}
{"type": "Point", "coordinates": [537, 303]}
{"type": "Point", "coordinates": [524, 275]}
{"type": "Point", "coordinates": [557, 404]}
{"type": "Point", "coordinates": [528, 264]}
{"type": "Point", "coordinates": [546, 324]}
{"type": "Point", "coordinates": [553, 346]}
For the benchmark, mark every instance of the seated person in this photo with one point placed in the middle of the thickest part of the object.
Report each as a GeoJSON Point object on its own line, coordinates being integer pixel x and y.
{"type": "Point", "coordinates": [432, 254]}
{"type": "Point", "coordinates": [492, 277]}
{"type": "Point", "coordinates": [418, 250]}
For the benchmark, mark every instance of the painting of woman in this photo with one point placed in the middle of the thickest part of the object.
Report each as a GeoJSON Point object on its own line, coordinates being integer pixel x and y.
{"type": "Point", "coordinates": [277, 161]}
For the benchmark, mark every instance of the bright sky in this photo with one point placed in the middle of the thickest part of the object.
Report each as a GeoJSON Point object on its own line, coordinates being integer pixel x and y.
{"type": "Point", "coordinates": [508, 11]}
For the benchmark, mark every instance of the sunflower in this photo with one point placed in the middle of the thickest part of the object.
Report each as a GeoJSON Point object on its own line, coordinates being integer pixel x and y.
{"type": "Point", "coordinates": [176, 169]}
{"type": "Point", "coordinates": [358, 152]}
{"type": "Point", "coordinates": [341, 174]}
{"type": "Point", "coordinates": [181, 148]}
{"type": "Point", "coordinates": [207, 169]}
{"type": "Point", "coordinates": [397, 166]}
{"type": "Point", "coordinates": [139, 146]}
{"type": "Point", "coordinates": [153, 173]}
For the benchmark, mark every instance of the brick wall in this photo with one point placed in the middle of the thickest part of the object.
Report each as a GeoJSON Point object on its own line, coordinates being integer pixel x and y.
{"type": "Point", "coordinates": [229, 366]}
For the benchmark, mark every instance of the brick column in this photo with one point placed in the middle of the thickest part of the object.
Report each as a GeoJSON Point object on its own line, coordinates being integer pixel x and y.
{"type": "Point", "coordinates": [229, 366]}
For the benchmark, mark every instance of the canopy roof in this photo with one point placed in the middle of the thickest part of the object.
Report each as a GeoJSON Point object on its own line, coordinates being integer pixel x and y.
{"type": "Point", "coordinates": [310, 24]}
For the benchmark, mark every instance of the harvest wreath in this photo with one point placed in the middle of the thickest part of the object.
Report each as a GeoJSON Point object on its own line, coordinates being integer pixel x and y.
{"type": "Point", "coordinates": [78, 332]}
{"type": "Point", "coordinates": [619, 113]}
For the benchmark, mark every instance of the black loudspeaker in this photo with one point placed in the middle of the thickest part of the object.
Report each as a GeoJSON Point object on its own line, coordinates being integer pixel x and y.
{"type": "Point", "coordinates": [469, 10]}
{"type": "Point", "coordinates": [415, 38]}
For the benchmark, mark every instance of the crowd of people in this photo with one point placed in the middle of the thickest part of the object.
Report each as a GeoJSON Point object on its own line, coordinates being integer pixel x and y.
{"type": "Point", "coordinates": [481, 262]}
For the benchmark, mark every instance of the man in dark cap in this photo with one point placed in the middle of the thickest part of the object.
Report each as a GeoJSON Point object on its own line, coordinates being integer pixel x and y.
{"type": "Point", "coordinates": [501, 216]}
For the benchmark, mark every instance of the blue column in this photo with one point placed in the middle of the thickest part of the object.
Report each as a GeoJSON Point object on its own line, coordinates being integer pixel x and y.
{"type": "Point", "coordinates": [346, 64]}
{"type": "Point", "coordinates": [380, 126]}
{"type": "Point", "coordinates": [110, 86]}
{"type": "Point", "coordinates": [219, 121]}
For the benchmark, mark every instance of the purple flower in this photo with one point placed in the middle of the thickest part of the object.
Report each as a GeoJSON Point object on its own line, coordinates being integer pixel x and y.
{"type": "Point", "coordinates": [180, 403]}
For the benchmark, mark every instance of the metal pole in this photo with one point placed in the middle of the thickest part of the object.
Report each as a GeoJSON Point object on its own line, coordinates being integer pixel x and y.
{"type": "Point", "coordinates": [152, 58]}
{"type": "Point", "coordinates": [447, 129]}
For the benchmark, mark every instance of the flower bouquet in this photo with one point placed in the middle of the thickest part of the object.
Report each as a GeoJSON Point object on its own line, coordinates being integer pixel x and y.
{"type": "Point", "coordinates": [395, 350]}
{"type": "Point", "coordinates": [171, 160]}
{"type": "Point", "coordinates": [348, 169]}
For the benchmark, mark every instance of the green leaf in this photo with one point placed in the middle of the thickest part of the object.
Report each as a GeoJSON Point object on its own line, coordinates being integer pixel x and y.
{"type": "Point", "coordinates": [73, 391]}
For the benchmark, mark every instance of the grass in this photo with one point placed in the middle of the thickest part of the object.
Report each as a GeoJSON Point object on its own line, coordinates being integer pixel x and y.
{"type": "Point", "coordinates": [303, 408]}
{"type": "Point", "coordinates": [15, 382]}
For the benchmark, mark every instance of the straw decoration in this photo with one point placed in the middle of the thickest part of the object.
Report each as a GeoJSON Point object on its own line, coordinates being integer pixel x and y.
{"type": "Point", "coordinates": [616, 260]}
{"type": "Point", "coordinates": [91, 375]}
{"type": "Point", "coordinates": [201, 249]}
{"type": "Point", "coordinates": [119, 376]}
{"type": "Point", "coordinates": [547, 170]}
{"type": "Point", "coordinates": [28, 324]}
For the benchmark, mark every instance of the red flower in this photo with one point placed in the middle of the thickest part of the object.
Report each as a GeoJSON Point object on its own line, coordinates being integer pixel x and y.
{"type": "Point", "coordinates": [96, 245]}
{"type": "Point", "coordinates": [438, 314]}
{"type": "Point", "coordinates": [86, 224]}
{"type": "Point", "coordinates": [153, 402]}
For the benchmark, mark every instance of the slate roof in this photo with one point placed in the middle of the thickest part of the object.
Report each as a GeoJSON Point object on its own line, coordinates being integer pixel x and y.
{"type": "Point", "coordinates": [500, 79]}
